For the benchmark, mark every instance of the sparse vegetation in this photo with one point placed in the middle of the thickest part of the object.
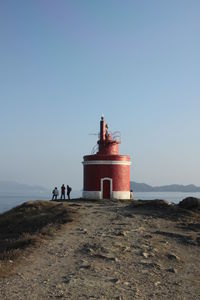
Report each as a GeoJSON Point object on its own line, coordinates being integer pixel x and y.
{"type": "Point", "coordinates": [112, 250]}
{"type": "Point", "coordinates": [28, 224]}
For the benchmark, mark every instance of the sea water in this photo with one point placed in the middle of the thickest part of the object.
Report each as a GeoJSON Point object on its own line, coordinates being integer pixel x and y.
{"type": "Point", "coordinates": [173, 197]}
{"type": "Point", "coordinates": [8, 202]}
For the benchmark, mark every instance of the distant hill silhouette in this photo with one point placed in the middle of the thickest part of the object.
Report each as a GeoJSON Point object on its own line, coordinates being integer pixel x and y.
{"type": "Point", "coordinates": [12, 188]}
{"type": "Point", "coordinates": [143, 187]}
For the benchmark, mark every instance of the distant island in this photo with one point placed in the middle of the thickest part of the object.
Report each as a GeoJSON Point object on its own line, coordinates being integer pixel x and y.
{"type": "Point", "coordinates": [143, 187]}
{"type": "Point", "coordinates": [12, 188]}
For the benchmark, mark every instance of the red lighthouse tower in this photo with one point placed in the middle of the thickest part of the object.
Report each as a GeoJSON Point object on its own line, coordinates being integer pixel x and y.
{"type": "Point", "coordinates": [106, 173]}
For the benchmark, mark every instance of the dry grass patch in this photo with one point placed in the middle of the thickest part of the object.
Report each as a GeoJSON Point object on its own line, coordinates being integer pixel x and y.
{"type": "Point", "coordinates": [27, 225]}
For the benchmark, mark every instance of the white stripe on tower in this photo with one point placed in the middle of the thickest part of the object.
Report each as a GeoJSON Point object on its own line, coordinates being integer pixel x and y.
{"type": "Point", "coordinates": [107, 162]}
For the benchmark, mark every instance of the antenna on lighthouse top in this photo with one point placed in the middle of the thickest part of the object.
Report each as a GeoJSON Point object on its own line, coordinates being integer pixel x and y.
{"type": "Point", "coordinates": [102, 116]}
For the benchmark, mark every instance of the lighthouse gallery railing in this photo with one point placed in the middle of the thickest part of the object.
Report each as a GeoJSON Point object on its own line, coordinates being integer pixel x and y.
{"type": "Point", "coordinates": [115, 136]}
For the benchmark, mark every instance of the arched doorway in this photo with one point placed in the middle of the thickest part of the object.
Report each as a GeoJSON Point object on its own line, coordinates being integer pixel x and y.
{"type": "Point", "coordinates": [106, 188]}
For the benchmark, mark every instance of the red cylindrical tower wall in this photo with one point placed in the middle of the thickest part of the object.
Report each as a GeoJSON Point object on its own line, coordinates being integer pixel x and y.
{"type": "Point", "coordinates": [94, 173]}
{"type": "Point", "coordinates": [114, 168]}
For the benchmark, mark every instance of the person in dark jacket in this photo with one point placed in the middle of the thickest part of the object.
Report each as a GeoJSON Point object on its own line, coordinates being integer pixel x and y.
{"type": "Point", "coordinates": [69, 189]}
{"type": "Point", "coordinates": [62, 192]}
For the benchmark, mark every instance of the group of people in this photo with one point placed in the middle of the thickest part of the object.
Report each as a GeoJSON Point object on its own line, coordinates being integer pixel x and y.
{"type": "Point", "coordinates": [55, 192]}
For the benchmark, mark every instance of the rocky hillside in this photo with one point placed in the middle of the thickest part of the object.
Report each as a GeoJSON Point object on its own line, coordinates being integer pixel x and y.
{"type": "Point", "coordinates": [113, 250]}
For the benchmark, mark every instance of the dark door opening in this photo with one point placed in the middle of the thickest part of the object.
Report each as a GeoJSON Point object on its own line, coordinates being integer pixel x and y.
{"type": "Point", "coordinates": [106, 189]}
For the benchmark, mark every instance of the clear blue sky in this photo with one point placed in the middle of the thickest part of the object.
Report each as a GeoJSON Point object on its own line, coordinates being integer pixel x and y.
{"type": "Point", "coordinates": [64, 63]}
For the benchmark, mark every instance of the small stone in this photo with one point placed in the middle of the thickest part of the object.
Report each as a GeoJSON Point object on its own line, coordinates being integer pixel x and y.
{"type": "Point", "coordinates": [60, 294]}
{"type": "Point", "coordinates": [85, 264]}
{"type": "Point", "coordinates": [119, 298]}
{"type": "Point", "coordinates": [91, 250]}
{"type": "Point", "coordinates": [148, 236]}
{"type": "Point", "coordinates": [157, 283]}
{"type": "Point", "coordinates": [66, 280]}
{"type": "Point", "coordinates": [172, 270]}
{"type": "Point", "coordinates": [151, 264]}
{"type": "Point", "coordinates": [146, 255]}
{"type": "Point", "coordinates": [119, 233]}
{"type": "Point", "coordinates": [173, 256]}
{"type": "Point", "coordinates": [126, 249]}
{"type": "Point", "coordinates": [115, 280]}
{"type": "Point", "coordinates": [177, 283]}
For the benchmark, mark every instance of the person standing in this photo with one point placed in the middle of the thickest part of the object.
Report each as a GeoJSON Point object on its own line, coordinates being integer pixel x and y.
{"type": "Point", "coordinates": [62, 192]}
{"type": "Point", "coordinates": [69, 189]}
{"type": "Point", "coordinates": [55, 193]}
{"type": "Point", "coordinates": [131, 194]}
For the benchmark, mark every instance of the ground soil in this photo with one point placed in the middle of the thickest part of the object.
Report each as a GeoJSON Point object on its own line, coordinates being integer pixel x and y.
{"type": "Point", "coordinates": [113, 250]}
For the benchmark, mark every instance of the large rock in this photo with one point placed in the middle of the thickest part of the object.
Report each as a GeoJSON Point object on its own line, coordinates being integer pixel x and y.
{"type": "Point", "coordinates": [190, 203]}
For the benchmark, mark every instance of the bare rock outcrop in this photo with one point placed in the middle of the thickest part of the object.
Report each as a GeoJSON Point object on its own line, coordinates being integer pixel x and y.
{"type": "Point", "coordinates": [190, 203]}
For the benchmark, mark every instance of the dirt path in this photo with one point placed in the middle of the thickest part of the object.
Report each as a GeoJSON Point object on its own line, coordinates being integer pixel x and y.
{"type": "Point", "coordinates": [111, 252]}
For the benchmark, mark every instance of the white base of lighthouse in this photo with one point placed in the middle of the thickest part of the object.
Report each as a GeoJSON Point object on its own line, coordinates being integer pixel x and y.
{"type": "Point", "coordinates": [98, 195]}
{"type": "Point", "coordinates": [121, 195]}
{"type": "Point", "coordinates": [91, 195]}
